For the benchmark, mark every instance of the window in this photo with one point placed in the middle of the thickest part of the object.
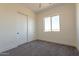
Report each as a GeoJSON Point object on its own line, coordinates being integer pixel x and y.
{"type": "Point", "coordinates": [47, 24]}
{"type": "Point", "coordinates": [51, 24]}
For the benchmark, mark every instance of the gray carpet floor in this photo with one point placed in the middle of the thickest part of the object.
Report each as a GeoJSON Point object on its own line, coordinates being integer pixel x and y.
{"type": "Point", "coordinates": [42, 48]}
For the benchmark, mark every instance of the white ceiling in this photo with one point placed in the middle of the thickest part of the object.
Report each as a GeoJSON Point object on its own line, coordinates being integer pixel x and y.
{"type": "Point", "coordinates": [36, 8]}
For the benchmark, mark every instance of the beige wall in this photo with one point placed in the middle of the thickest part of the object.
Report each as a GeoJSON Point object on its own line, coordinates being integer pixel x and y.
{"type": "Point", "coordinates": [8, 24]}
{"type": "Point", "coordinates": [67, 35]}
{"type": "Point", "coordinates": [77, 24]}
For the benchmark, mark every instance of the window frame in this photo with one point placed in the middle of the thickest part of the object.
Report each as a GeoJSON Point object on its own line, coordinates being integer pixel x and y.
{"type": "Point", "coordinates": [51, 30]}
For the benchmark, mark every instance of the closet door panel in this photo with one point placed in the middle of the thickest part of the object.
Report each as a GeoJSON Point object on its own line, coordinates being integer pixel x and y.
{"type": "Point", "coordinates": [30, 29]}
{"type": "Point", "coordinates": [21, 29]}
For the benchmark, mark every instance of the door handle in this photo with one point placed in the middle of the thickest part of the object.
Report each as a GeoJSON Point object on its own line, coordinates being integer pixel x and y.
{"type": "Point", "coordinates": [17, 33]}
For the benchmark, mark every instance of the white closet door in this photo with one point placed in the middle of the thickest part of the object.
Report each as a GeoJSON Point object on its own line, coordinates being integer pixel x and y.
{"type": "Point", "coordinates": [22, 29]}
{"type": "Point", "coordinates": [30, 29]}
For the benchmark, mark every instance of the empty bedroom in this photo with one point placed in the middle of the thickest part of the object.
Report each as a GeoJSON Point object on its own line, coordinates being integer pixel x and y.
{"type": "Point", "coordinates": [39, 29]}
